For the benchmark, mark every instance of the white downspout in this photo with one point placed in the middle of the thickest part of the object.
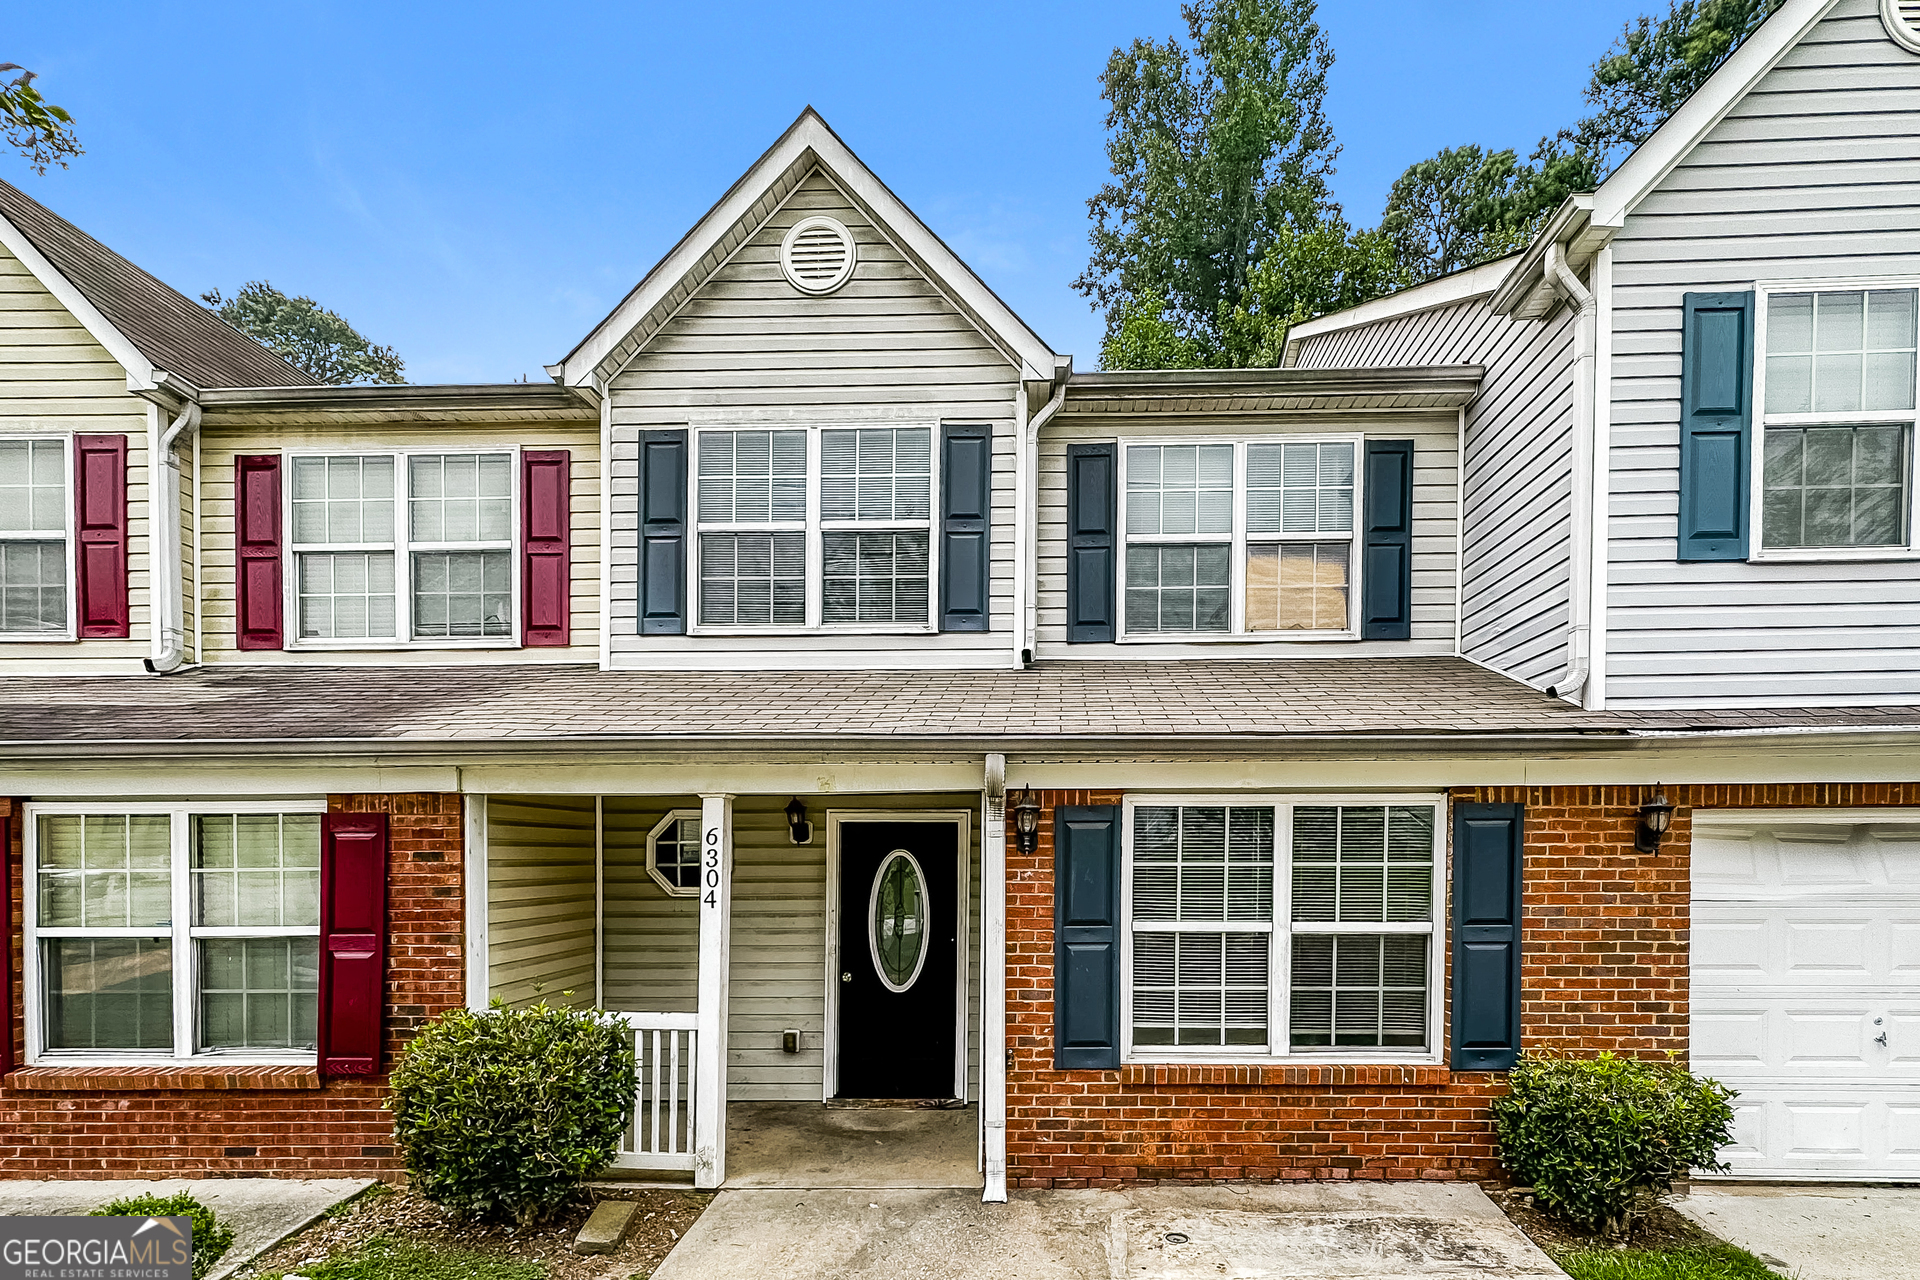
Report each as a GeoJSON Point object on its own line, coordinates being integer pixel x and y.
{"type": "Point", "coordinates": [1030, 515]}
{"type": "Point", "coordinates": [166, 575]}
{"type": "Point", "coordinates": [1572, 685]}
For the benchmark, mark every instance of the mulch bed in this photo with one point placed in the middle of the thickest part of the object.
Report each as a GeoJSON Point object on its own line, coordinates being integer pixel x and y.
{"type": "Point", "coordinates": [663, 1217]}
{"type": "Point", "coordinates": [1662, 1229]}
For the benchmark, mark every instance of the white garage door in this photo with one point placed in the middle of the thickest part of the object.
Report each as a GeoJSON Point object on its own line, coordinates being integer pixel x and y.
{"type": "Point", "coordinates": [1806, 988]}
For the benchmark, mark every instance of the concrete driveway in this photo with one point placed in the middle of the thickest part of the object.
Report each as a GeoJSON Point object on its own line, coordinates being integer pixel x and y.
{"type": "Point", "coordinates": [1816, 1232]}
{"type": "Point", "coordinates": [1322, 1232]}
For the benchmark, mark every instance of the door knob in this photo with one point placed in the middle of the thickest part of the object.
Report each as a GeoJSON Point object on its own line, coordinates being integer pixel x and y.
{"type": "Point", "coordinates": [1881, 1039]}
{"type": "Point", "coordinates": [848, 977]}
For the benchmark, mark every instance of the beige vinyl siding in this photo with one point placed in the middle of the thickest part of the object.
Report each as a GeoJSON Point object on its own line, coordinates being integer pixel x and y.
{"type": "Point", "coordinates": [778, 960]}
{"type": "Point", "coordinates": [540, 872]}
{"type": "Point", "coordinates": [1515, 579]}
{"type": "Point", "coordinates": [748, 349]}
{"type": "Point", "coordinates": [189, 558]}
{"type": "Point", "coordinates": [1435, 529]}
{"type": "Point", "coordinates": [56, 380]}
{"type": "Point", "coordinates": [219, 596]}
{"type": "Point", "coordinates": [1811, 176]}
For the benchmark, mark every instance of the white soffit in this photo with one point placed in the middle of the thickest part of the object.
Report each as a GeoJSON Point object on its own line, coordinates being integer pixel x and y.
{"type": "Point", "coordinates": [811, 136]}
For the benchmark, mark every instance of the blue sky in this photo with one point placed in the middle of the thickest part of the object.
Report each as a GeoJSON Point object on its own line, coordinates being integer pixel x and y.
{"type": "Point", "coordinates": [478, 184]}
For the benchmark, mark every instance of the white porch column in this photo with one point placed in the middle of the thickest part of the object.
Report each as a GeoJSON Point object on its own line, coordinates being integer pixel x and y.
{"type": "Point", "coordinates": [710, 1056]}
{"type": "Point", "coordinates": [993, 982]}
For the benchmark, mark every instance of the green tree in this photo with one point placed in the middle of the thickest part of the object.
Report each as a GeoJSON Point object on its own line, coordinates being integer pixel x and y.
{"type": "Point", "coordinates": [1215, 148]}
{"type": "Point", "coordinates": [1466, 206]}
{"type": "Point", "coordinates": [306, 334]}
{"type": "Point", "coordinates": [31, 125]}
{"type": "Point", "coordinates": [1327, 267]}
{"type": "Point", "coordinates": [1656, 65]}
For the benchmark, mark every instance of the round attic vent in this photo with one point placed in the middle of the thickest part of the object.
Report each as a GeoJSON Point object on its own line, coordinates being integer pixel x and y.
{"type": "Point", "coordinates": [817, 255]}
{"type": "Point", "coordinates": [1902, 21]}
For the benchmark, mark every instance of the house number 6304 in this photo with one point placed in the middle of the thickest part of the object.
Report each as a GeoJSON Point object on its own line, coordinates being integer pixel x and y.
{"type": "Point", "coordinates": [712, 897]}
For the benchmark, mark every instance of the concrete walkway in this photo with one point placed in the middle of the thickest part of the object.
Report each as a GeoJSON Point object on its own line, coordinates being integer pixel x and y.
{"type": "Point", "coordinates": [803, 1144]}
{"type": "Point", "coordinates": [261, 1211]}
{"type": "Point", "coordinates": [1815, 1232]}
{"type": "Point", "coordinates": [1321, 1232]}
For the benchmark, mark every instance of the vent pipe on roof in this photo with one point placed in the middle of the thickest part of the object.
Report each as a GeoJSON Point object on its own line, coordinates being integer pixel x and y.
{"type": "Point", "coordinates": [1573, 685]}
{"type": "Point", "coordinates": [168, 622]}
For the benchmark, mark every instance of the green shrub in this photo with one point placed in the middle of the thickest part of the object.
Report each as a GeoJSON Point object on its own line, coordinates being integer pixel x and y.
{"type": "Point", "coordinates": [1601, 1139]}
{"type": "Point", "coordinates": [210, 1239]}
{"type": "Point", "coordinates": [503, 1114]}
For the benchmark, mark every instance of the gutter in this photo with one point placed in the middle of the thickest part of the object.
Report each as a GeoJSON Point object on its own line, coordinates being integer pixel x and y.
{"type": "Point", "coordinates": [1572, 685]}
{"type": "Point", "coordinates": [168, 576]}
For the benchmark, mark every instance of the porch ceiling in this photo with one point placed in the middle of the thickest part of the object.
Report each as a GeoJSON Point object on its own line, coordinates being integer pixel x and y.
{"type": "Point", "coordinates": [1154, 705]}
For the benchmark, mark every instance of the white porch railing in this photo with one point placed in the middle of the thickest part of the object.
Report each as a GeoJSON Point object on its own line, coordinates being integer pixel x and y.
{"type": "Point", "coordinates": [661, 1136]}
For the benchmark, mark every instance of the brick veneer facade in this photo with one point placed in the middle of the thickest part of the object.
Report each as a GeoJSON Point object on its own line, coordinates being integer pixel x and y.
{"type": "Point", "coordinates": [1604, 966]}
{"type": "Point", "coordinates": [278, 1121]}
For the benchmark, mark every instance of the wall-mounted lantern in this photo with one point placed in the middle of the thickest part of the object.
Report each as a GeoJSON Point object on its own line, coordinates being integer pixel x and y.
{"type": "Point", "coordinates": [799, 830]}
{"type": "Point", "coordinates": [1026, 821]}
{"type": "Point", "coordinates": [1656, 815]}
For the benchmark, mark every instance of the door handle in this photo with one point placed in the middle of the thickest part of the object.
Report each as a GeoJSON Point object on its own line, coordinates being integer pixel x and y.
{"type": "Point", "coordinates": [1880, 1039]}
{"type": "Point", "coordinates": [848, 977]}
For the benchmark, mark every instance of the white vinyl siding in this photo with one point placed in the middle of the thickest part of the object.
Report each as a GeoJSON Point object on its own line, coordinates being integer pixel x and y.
{"type": "Point", "coordinates": [1809, 178]}
{"type": "Point", "coordinates": [1515, 579]}
{"type": "Point", "coordinates": [745, 350]}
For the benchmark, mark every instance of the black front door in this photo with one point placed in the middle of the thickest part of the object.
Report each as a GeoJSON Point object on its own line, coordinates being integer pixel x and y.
{"type": "Point", "coordinates": [898, 953]}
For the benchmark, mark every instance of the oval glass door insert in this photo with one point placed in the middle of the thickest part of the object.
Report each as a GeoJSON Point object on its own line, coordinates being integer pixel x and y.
{"type": "Point", "coordinates": [897, 920]}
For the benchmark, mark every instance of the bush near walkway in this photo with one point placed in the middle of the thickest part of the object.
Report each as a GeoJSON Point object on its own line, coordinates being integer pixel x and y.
{"type": "Point", "coordinates": [210, 1239]}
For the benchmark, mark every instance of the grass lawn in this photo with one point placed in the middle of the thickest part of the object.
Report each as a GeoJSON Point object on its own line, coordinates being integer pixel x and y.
{"type": "Point", "coordinates": [1692, 1262]}
{"type": "Point", "coordinates": [384, 1258]}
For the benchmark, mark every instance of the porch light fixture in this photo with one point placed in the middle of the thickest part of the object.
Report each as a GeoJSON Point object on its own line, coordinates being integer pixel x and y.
{"type": "Point", "coordinates": [1655, 817]}
{"type": "Point", "coordinates": [799, 830]}
{"type": "Point", "coordinates": [1026, 821]}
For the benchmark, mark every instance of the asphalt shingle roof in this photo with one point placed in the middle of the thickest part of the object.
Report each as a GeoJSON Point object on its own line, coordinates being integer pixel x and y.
{"type": "Point", "coordinates": [1062, 701]}
{"type": "Point", "coordinates": [164, 325]}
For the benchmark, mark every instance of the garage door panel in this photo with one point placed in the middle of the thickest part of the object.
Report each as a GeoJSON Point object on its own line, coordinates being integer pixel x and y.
{"type": "Point", "coordinates": [1807, 952]}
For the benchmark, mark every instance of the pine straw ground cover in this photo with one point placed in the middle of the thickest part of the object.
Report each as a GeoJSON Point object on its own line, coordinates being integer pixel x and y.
{"type": "Point", "coordinates": [1666, 1247]}
{"type": "Point", "coordinates": [390, 1234]}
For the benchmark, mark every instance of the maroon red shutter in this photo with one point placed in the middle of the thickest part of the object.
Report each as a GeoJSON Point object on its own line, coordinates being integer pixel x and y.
{"type": "Point", "coordinates": [256, 535]}
{"type": "Point", "coordinates": [353, 941]}
{"type": "Point", "coordinates": [545, 567]}
{"type": "Point", "coordinates": [100, 504]}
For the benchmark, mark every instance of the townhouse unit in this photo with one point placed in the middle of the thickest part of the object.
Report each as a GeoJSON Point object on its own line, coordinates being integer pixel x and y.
{"type": "Point", "coordinates": [1170, 775]}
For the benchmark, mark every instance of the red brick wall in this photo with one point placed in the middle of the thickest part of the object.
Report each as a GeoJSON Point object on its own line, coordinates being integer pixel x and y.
{"type": "Point", "coordinates": [339, 1128]}
{"type": "Point", "coordinates": [1604, 966]}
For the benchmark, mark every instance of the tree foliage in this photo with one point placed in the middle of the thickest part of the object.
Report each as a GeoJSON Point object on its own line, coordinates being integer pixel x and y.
{"type": "Point", "coordinates": [1655, 65]}
{"type": "Point", "coordinates": [31, 125]}
{"type": "Point", "coordinates": [1217, 147]}
{"type": "Point", "coordinates": [306, 334]}
{"type": "Point", "coordinates": [1466, 206]}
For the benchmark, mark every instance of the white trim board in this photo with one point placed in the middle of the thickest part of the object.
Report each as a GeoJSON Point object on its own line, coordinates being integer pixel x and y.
{"type": "Point", "coordinates": [139, 370]}
{"type": "Point", "coordinates": [963, 886]}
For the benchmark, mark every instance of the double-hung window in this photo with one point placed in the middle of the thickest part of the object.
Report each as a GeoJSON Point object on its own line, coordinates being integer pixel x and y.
{"type": "Point", "coordinates": [1838, 394]}
{"type": "Point", "coordinates": [402, 548]}
{"type": "Point", "coordinates": [814, 527]}
{"type": "Point", "coordinates": [34, 515]}
{"type": "Point", "coordinates": [1240, 537]}
{"type": "Point", "coordinates": [173, 933]}
{"type": "Point", "coordinates": [1267, 929]}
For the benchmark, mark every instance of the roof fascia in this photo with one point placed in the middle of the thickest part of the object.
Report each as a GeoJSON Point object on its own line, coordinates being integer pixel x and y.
{"type": "Point", "coordinates": [809, 133]}
{"type": "Point", "coordinates": [140, 370]}
{"type": "Point", "coordinates": [1459, 286]}
{"type": "Point", "coordinates": [1649, 165]}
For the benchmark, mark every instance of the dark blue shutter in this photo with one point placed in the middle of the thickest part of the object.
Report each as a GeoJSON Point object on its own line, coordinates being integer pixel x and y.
{"type": "Point", "coordinates": [663, 533]}
{"type": "Point", "coordinates": [1086, 937]}
{"type": "Point", "coordinates": [1387, 573]}
{"type": "Point", "coordinates": [1091, 557]}
{"type": "Point", "coordinates": [966, 466]}
{"type": "Point", "coordinates": [1486, 936]}
{"type": "Point", "coordinates": [1716, 425]}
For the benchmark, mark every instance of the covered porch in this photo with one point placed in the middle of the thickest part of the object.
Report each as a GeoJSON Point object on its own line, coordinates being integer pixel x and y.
{"type": "Point", "coordinates": [803, 973]}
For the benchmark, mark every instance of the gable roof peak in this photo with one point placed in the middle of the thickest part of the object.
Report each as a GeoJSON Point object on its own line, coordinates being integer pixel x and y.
{"type": "Point", "coordinates": [808, 143]}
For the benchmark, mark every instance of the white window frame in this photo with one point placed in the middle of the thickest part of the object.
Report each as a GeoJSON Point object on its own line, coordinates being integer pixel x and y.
{"type": "Point", "coordinates": [1237, 631]}
{"type": "Point", "coordinates": [403, 548]}
{"type": "Point", "coordinates": [181, 934]}
{"type": "Point", "coordinates": [661, 828]}
{"type": "Point", "coordinates": [72, 628]}
{"type": "Point", "coordinates": [1279, 1048]}
{"type": "Point", "coordinates": [1757, 458]}
{"type": "Point", "coordinates": [815, 530]}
